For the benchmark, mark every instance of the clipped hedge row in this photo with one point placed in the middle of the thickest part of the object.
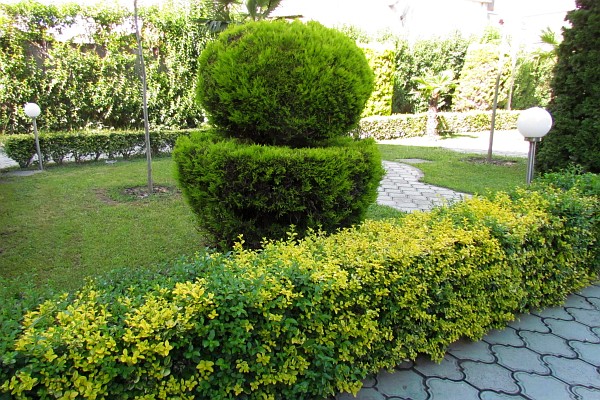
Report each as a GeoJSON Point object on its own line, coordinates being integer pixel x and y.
{"type": "Point", "coordinates": [381, 60]}
{"type": "Point", "coordinates": [59, 146]}
{"type": "Point", "coordinates": [308, 319]}
{"type": "Point", "coordinates": [411, 125]}
{"type": "Point", "coordinates": [259, 191]}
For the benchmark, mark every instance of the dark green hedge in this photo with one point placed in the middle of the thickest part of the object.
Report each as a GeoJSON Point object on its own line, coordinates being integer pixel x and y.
{"type": "Point", "coordinates": [80, 146]}
{"type": "Point", "coordinates": [259, 191]}
{"type": "Point", "coordinates": [311, 318]}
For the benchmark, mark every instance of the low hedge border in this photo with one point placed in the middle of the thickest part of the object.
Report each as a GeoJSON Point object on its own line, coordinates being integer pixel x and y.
{"type": "Point", "coordinates": [307, 319]}
{"type": "Point", "coordinates": [411, 125]}
{"type": "Point", "coordinates": [58, 146]}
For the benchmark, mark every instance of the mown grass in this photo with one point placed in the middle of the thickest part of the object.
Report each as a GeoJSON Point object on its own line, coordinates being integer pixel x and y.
{"type": "Point", "coordinates": [72, 222]}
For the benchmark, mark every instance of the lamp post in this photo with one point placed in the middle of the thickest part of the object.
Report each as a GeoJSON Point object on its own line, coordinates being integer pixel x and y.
{"type": "Point", "coordinates": [33, 111]}
{"type": "Point", "coordinates": [533, 123]}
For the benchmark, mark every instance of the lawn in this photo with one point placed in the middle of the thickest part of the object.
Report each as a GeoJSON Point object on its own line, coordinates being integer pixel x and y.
{"type": "Point", "coordinates": [75, 221]}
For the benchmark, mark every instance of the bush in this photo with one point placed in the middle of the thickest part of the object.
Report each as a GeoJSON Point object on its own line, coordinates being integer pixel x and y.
{"type": "Point", "coordinates": [575, 135]}
{"type": "Point", "coordinates": [381, 61]}
{"type": "Point", "coordinates": [411, 125]}
{"type": "Point", "coordinates": [259, 191]}
{"type": "Point", "coordinates": [477, 80]}
{"type": "Point", "coordinates": [281, 83]}
{"type": "Point", "coordinates": [58, 146]}
{"type": "Point", "coordinates": [307, 319]}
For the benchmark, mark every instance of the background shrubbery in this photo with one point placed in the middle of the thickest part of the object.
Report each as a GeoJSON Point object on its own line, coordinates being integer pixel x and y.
{"type": "Point", "coordinates": [307, 319]}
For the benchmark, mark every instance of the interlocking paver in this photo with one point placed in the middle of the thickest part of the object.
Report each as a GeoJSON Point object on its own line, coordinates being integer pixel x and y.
{"type": "Point", "coordinates": [571, 330]}
{"type": "Point", "coordinates": [584, 393]}
{"type": "Point", "coordinates": [589, 318]}
{"type": "Point", "coordinates": [576, 301]}
{"type": "Point", "coordinates": [529, 322]}
{"type": "Point", "coordinates": [554, 312]}
{"type": "Point", "coordinates": [542, 387]}
{"type": "Point", "coordinates": [547, 344]}
{"type": "Point", "coordinates": [507, 336]}
{"type": "Point", "coordinates": [517, 359]}
{"type": "Point", "coordinates": [442, 389]}
{"type": "Point", "coordinates": [488, 395]}
{"type": "Point", "coordinates": [475, 351]}
{"type": "Point", "coordinates": [404, 383]}
{"type": "Point", "coordinates": [489, 376]}
{"type": "Point", "coordinates": [590, 291]}
{"type": "Point", "coordinates": [573, 372]}
{"type": "Point", "coordinates": [589, 352]}
{"type": "Point", "coordinates": [448, 368]}
{"type": "Point", "coordinates": [364, 394]}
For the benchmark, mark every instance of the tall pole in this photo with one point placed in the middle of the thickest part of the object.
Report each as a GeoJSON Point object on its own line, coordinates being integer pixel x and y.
{"type": "Point", "coordinates": [37, 145]}
{"type": "Point", "coordinates": [145, 99]}
{"type": "Point", "coordinates": [531, 158]}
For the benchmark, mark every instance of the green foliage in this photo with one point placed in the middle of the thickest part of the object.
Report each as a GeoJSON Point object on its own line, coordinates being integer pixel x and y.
{"type": "Point", "coordinates": [283, 83]}
{"type": "Point", "coordinates": [97, 84]}
{"type": "Point", "coordinates": [575, 135]}
{"type": "Point", "coordinates": [432, 55]}
{"type": "Point", "coordinates": [381, 61]}
{"type": "Point", "coordinates": [532, 82]}
{"type": "Point", "coordinates": [259, 191]}
{"type": "Point", "coordinates": [410, 125]}
{"type": "Point", "coordinates": [82, 145]}
{"type": "Point", "coordinates": [478, 79]}
{"type": "Point", "coordinates": [306, 319]}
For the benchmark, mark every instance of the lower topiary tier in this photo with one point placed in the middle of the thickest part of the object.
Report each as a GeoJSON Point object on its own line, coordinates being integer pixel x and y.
{"type": "Point", "coordinates": [260, 191]}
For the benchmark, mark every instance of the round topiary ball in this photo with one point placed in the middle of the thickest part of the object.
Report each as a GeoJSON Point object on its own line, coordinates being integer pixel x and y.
{"type": "Point", "coordinates": [282, 83]}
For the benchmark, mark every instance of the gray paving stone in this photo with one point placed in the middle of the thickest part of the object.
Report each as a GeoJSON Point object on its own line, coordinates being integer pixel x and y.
{"type": "Point", "coordinates": [475, 351]}
{"type": "Point", "coordinates": [408, 364]}
{"type": "Point", "coordinates": [571, 330]}
{"type": "Point", "coordinates": [542, 387]}
{"type": "Point", "coordinates": [589, 352]}
{"type": "Point", "coordinates": [573, 372]}
{"type": "Point", "coordinates": [507, 336]}
{"type": "Point", "coordinates": [520, 359]}
{"type": "Point", "coordinates": [489, 376]}
{"type": "Point", "coordinates": [547, 344]}
{"type": "Point", "coordinates": [364, 394]}
{"type": "Point", "coordinates": [529, 322]}
{"type": "Point", "coordinates": [448, 368]}
{"type": "Point", "coordinates": [590, 291]}
{"type": "Point", "coordinates": [583, 393]}
{"type": "Point", "coordinates": [442, 389]}
{"type": "Point", "coordinates": [369, 382]}
{"type": "Point", "coordinates": [595, 301]}
{"type": "Point", "coordinates": [487, 395]}
{"type": "Point", "coordinates": [575, 301]}
{"type": "Point", "coordinates": [589, 318]}
{"type": "Point", "coordinates": [404, 383]}
{"type": "Point", "coordinates": [554, 312]}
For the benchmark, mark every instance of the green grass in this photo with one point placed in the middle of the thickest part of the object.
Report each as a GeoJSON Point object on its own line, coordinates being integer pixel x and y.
{"type": "Point", "coordinates": [63, 225]}
{"type": "Point", "coordinates": [74, 221]}
{"type": "Point", "coordinates": [452, 170]}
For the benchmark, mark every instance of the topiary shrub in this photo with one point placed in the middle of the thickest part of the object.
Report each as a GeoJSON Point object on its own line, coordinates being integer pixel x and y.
{"type": "Point", "coordinates": [281, 83]}
{"type": "Point", "coordinates": [259, 191]}
{"type": "Point", "coordinates": [281, 96]}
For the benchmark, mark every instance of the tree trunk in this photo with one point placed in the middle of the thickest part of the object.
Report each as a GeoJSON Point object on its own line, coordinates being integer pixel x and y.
{"type": "Point", "coordinates": [432, 120]}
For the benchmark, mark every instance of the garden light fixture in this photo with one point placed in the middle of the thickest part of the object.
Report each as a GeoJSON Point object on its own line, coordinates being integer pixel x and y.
{"type": "Point", "coordinates": [33, 111]}
{"type": "Point", "coordinates": [533, 123]}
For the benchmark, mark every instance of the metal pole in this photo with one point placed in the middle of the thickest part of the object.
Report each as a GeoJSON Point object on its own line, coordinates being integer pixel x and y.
{"type": "Point", "coordinates": [37, 145]}
{"type": "Point", "coordinates": [531, 158]}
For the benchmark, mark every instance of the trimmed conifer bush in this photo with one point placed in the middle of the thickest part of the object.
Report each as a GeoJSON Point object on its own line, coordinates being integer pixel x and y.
{"type": "Point", "coordinates": [283, 98]}
{"type": "Point", "coordinates": [282, 83]}
{"type": "Point", "coordinates": [575, 136]}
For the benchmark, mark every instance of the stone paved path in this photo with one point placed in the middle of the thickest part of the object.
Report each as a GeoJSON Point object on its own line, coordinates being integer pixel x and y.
{"type": "Point", "coordinates": [400, 188]}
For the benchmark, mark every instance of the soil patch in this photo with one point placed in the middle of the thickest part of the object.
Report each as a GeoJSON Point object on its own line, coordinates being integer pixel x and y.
{"type": "Point", "coordinates": [135, 193]}
{"type": "Point", "coordinates": [483, 160]}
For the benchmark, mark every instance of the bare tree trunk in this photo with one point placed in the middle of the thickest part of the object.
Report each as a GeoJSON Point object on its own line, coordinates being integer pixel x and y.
{"type": "Point", "coordinates": [145, 98]}
{"type": "Point", "coordinates": [432, 121]}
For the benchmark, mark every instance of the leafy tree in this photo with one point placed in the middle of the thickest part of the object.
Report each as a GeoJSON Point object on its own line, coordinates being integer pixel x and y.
{"type": "Point", "coordinates": [434, 87]}
{"type": "Point", "coordinates": [575, 137]}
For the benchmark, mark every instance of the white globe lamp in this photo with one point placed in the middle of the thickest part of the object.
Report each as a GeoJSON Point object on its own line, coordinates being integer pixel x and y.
{"type": "Point", "coordinates": [533, 123]}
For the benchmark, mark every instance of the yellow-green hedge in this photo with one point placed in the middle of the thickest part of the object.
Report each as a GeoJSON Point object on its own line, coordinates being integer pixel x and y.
{"type": "Point", "coordinates": [306, 319]}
